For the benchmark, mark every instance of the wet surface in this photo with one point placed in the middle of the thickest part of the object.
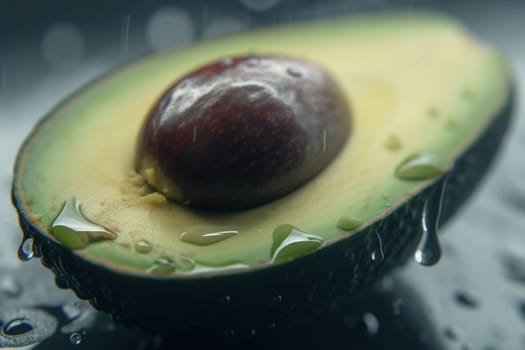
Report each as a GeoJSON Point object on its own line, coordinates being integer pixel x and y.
{"type": "Point", "coordinates": [474, 298]}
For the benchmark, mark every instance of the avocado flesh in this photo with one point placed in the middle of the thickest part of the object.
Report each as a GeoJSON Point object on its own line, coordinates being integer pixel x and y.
{"type": "Point", "coordinates": [420, 78]}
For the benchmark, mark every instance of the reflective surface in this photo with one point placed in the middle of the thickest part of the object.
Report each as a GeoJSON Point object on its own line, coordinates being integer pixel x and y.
{"type": "Point", "coordinates": [472, 299]}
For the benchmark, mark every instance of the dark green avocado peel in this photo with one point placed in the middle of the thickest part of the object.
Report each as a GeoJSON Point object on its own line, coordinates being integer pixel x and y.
{"type": "Point", "coordinates": [154, 259]}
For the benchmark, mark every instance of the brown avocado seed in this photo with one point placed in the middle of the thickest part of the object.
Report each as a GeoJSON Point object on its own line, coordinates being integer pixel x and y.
{"type": "Point", "coordinates": [242, 132]}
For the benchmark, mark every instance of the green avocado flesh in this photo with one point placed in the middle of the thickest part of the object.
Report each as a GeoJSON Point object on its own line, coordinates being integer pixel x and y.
{"type": "Point", "coordinates": [417, 84]}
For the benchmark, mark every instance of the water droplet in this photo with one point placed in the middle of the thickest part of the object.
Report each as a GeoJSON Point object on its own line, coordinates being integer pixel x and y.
{"type": "Point", "coordinates": [143, 246]}
{"type": "Point", "coordinates": [229, 332]}
{"type": "Point", "coordinates": [184, 264]}
{"type": "Point", "coordinates": [253, 332]}
{"type": "Point", "coordinates": [17, 326]}
{"type": "Point", "coordinates": [420, 166]}
{"type": "Point", "coordinates": [206, 235]}
{"type": "Point", "coordinates": [272, 325]}
{"type": "Point", "coordinates": [378, 255]}
{"type": "Point", "coordinates": [74, 230]}
{"type": "Point", "coordinates": [162, 265]}
{"type": "Point", "coordinates": [293, 72]}
{"type": "Point", "coordinates": [371, 322]}
{"type": "Point", "coordinates": [348, 223]}
{"type": "Point", "coordinates": [25, 251]}
{"type": "Point", "coordinates": [25, 327]}
{"type": "Point", "coordinates": [289, 242]}
{"type": "Point", "coordinates": [393, 143]}
{"type": "Point", "coordinates": [277, 299]}
{"type": "Point", "coordinates": [226, 300]}
{"type": "Point", "coordinates": [428, 251]}
{"type": "Point", "coordinates": [466, 300]}
{"type": "Point", "coordinates": [75, 338]}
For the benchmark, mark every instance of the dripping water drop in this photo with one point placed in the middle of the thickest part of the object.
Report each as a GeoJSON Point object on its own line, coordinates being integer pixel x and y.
{"type": "Point", "coordinates": [25, 251]}
{"type": "Point", "coordinates": [428, 251]}
{"type": "Point", "coordinates": [378, 255]}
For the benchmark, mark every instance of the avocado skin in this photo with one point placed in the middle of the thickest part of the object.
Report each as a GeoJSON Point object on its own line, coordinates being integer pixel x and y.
{"type": "Point", "coordinates": [281, 294]}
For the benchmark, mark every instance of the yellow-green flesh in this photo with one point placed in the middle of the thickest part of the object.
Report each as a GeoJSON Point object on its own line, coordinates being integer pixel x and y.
{"type": "Point", "coordinates": [416, 83]}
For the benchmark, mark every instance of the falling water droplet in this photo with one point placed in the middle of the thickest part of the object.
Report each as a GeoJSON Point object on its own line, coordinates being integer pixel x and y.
{"type": "Point", "coordinates": [74, 230]}
{"type": "Point", "coordinates": [75, 338]}
{"type": "Point", "coordinates": [378, 255]}
{"type": "Point", "coordinates": [371, 323]}
{"type": "Point", "coordinates": [143, 246]}
{"type": "Point", "coordinates": [125, 33]}
{"type": "Point", "coordinates": [289, 242]}
{"type": "Point", "coordinates": [420, 166]}
{"type": "Point", "coordinates": [25, 251]}
{"type": "Point", "coordinates": [428, 251]}
{"type": "Point", "coordinates": [18, 326]}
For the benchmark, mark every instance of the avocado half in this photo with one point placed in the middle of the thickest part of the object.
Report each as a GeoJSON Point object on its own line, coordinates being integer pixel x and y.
{"type": "Point", "coordinates": [419, 86]}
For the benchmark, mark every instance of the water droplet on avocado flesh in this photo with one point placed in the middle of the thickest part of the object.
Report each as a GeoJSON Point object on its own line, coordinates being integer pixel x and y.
{"type": "Point", "coordinates": [262, 132]}
{"type": "Point", "coordinates": [352, 184]}
{"type": "Point", "coordinates": [289, 242]}
{"type": "Point", "coordinates": [143, 246]}
{"type": "Point", "coordinates": [74, 230]}
{"type": "Point", "coordinates": [205, 235]}
{"type": "Point", "coordinates": [348, 223]}
{"type": "Point", "coordinates": [420, 166]}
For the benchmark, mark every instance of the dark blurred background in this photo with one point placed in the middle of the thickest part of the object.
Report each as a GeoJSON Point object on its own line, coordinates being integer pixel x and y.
{"type": "Point", "coordinates": [473, 299]}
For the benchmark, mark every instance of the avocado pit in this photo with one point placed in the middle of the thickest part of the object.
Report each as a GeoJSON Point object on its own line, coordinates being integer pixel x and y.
{"type": "Point", "coordinates": [242, 132]}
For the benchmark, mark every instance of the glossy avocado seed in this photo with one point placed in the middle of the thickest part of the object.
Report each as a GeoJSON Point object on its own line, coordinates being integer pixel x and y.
{"type": "Point", "coordinates": [242, 132]}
